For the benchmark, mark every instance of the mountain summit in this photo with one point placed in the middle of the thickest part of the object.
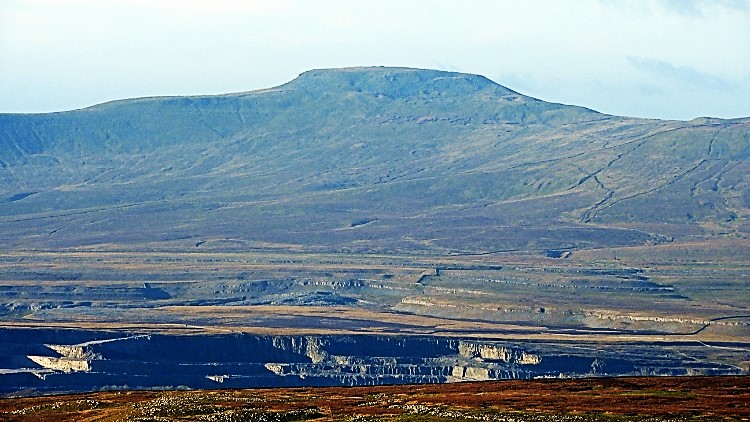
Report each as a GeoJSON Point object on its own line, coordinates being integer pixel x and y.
{"type": "Point", "coordinates": [396, 82]}
{"type": "Point", "coordinates": [369, 159]}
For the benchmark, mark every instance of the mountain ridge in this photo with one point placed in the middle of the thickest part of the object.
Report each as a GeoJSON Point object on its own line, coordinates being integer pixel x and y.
{"type": "Point", "coordinates": [307, 79]}
{"type": "Point", "coordinates": [384, 144]}
{"type": "Point", "coordinates": [349, 70]}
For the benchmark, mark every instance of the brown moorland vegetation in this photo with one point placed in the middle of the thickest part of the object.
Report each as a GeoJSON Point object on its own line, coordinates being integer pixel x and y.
{"type": "Point", "coordinates": [642, 398]}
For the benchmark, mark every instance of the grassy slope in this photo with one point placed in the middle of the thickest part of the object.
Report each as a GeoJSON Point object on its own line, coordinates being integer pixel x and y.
{"type": "Point", "coordinates": [394, 170]}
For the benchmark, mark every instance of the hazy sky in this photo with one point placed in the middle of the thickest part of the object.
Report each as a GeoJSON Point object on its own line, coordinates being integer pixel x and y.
{"type": "Point", "coordinates": [648, 58]}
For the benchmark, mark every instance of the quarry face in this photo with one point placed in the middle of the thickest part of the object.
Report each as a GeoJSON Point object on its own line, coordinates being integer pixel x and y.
{"type": "Point", "coordinates": [96, 360]}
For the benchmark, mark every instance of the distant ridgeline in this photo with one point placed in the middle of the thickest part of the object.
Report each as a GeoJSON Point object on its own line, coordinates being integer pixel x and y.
{"type": "Point", "coordinates": [368, 160]}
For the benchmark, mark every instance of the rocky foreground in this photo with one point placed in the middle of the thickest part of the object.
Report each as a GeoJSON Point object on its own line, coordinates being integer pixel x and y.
{"type": "Point", "coordinates": [644, 398]}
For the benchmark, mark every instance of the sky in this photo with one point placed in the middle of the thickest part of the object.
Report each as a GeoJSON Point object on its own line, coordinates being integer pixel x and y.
{"type": "Point", "coordinates": [667, 59]}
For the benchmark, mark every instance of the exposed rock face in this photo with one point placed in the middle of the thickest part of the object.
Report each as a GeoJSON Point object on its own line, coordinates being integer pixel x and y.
{"type": "Point", "coordinates": [315, 351]}
{"type": "Point", "coordinates": [96, 360]}
{"type": "Point", "coordinates": [63, 364]}
{"type": "Point", "coordinates": [529, 359]}
{"type": "Point", "coordinates": [276, 368]}
{"type": "Point", "coordinates": [476, 374]}
{"type": "Point", "coordinates": [72, 352]}
{"type": "Point", "coordinates": [496, 352]}
{"type": "Point", "coordinates": [217, 378]}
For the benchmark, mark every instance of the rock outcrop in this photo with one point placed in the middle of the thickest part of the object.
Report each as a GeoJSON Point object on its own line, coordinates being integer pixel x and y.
{"type": "Point", "coordinates": [490, 351]}
{"type": "Point", "coordinates": [63, 364]}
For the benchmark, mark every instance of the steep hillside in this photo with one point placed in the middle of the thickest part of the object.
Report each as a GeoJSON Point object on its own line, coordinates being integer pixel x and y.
{"type": "Point", "coordinates": [368, 159]}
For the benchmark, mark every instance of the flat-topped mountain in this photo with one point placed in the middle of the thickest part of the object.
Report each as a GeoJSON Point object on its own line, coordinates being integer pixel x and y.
{"type": "Point", "coordinates": [376, 159]}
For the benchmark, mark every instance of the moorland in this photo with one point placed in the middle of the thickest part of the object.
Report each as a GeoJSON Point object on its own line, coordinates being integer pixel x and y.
{"type": "Point", "coordinates": [604, 399]}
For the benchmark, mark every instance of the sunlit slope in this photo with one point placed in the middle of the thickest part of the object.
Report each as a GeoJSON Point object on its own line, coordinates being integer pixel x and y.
{"type": "Point", "coordinates": [368, 159]}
